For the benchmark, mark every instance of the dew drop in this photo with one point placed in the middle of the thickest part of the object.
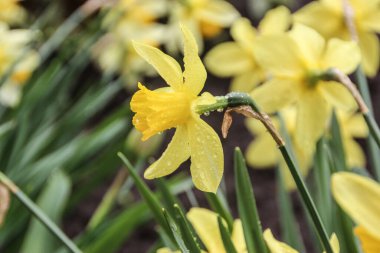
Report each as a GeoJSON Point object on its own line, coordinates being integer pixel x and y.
{"type": "Point", "coordinates": [206, 113]}
{"type": "Point", "coordinates": [219, 110]}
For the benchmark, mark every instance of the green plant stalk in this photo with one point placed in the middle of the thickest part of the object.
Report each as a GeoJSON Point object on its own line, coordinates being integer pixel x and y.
{"type": "Point", "coordinates": [39, 214]}
{"type": "Point", "coordinates": [236, 99]}
{"type": "Point", "coordinates": [226, 237]}
{"type": "Point", "coordinates": [217, 205]}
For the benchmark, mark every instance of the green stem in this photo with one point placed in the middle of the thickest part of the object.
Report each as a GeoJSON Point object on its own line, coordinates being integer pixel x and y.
{"type": "Point", "coordinates": [373, 128]}
{"type": "Point", "coordinates": [39, 214]}
{"type": "Point", "coordinates": [235, 99]}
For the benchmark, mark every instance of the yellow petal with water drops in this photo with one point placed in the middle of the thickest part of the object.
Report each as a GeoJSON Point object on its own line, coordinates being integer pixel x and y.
{"type": "Point", "coordinates": [355, 155]}
{"type": "Point", "coordinates": [228, 59]}
{"type": "Point", "coordinates": [312, 14]}
{"type": "Point", "coordinates": [246, 82]}
{"type": "Point", "coordinates": [164, 64]}
{"type": "Point", "coordinates": [175, 154]}
{"type": "Point", "coordinates": [310, 44]}
{"type": "Point", "coordinates": [313, 113]}
{"type": "Point", "coordinates": [371, 21]}
{"type": "Point", "coordinates": [218, 12]}
{"type": "Point", "coordinates": [369, 47]}
{"type": "Point", "coordinates": [207, 161]}
{"type": "Point", "coordinates": [359, 197]}
{"type": "Point", "coordinates": [195, 73]}
{"type": "Point", "coordinates": [205, 223]}
{"type": "Point", "coordinates": [262, 152]}
{"type": "Point", "coordinates": [344, 55]}
{"type": "Point", "coordinates": [356, 126]}
{"type": "Point", "coordinates": [244, 33]}
{"type": "Point", "coordinates": [276, 20]}
{"type": "Point", "coordinates": [368, 242]}
{"type": "Point", "coordinates": [238, 237]}
{"type": "Point", "coordinates": [276, 246]}
{"type": "Point", "coordinates": [279, 55]}
{"type": "Point", "coordinates": [275, 94]}
{"type": "Point", "coordinates": [337, 95]}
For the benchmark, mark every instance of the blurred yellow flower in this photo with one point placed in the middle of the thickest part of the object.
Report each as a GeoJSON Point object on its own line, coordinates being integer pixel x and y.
{"type": "Point", "coordinates": [236, 59]}
{"type": "Point", "coordinates": [205, 223]}
{"type": "Point", "coordinates": [205, 19]}
{"type": "Point", "coordinates": [359, 198]}
{"type": "Point", "coordinates": [174, 106]}
{"type": "Point", "coordinates": [276, 246]}
{"type": "Point", "coordinates": [12, 46]}
{"type": "Point", "coordinates": [295, 61]}
{"type": "Point", "coordinates": [328, 18]}
{"type": "Point", "coordinates": [262, 152]}
{"type": "Point", "coordinates": [11, 12]}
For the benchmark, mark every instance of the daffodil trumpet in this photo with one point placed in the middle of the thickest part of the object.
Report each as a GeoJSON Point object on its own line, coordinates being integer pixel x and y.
{"type": "Point", "coordinates": [237, 99]}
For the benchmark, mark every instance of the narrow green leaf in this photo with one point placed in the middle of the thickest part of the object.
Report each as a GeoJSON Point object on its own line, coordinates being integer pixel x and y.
{"type": "Point", "coordinates": [217, 205]}
{"type": "Point", "coordinates": [247, 207]}
{"type": "Point", "coordinates": [175, 232]}
{"type": "Point", "coordinates": [226, 237]}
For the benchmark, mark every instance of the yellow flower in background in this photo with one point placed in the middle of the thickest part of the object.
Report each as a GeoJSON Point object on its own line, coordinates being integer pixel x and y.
{"type": "Point", "coordinates": [12, 46]}
{"type": "Point", "coordinates": [174, 106]}
{"type": "Point", "coordinates": [262, 152]}
{"type": "Point", "coordinates": [205, 19]}
{"type": "Point", "coordinates": [130, 20]}
{"type": "Point", "coordinates": [276, 246]}
{"type": "Point", "coordinates": [328, 18]}
{"type": "Point", "coordinates": [236, 59]}
{"type": "Point", "coordinates": [359, 198]}
{"type": "Point", "coordinates": [205, 223]}
{"type": "Point", "coordinates": [11, 12]}
{"type": "Point", "coordinates": [295, 60]}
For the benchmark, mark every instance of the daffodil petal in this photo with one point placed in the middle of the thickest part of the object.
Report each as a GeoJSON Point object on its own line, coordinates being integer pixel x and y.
{"type": "Point", "coordinates": [344, 55]}
{"type": "Point", "coordinates": [356, 126]}
{"type": "Point", "coordinates": [275, 94]}
{"type": "Point", "coordinates": [246, 82]}
{"type": "Point", "coordinates": [238, 236]}
{"type": "Point", "coordinates": [369, 243]}
{"type": "Point", "coordinates": [228, 59]}
{"type": "Point", "coordinates": [313, 113]}
{"type": "Point", "coordinates": [369, 46]}
{"type": "Point", "coordinates": [279, 54]}
{"type": "Point", "coordinates": [205, 224]}
{"type": "Point", "coordinates": [262, 152]}
{"type": "Point", "coordinates": [338, 95]}
{"type": "Point", "coordinates": [207, 162]}
{"type": "Point", "coordinates": [359, 198]}
{"type": "Point", "coordinates": [276, 246]}
{"type": "Point", "coordinates": [276, 20]}
{"type": "Point", "coordinates": [334, 242]}
{"type": "Point", "coordinates": [244, 33]}
{"type": "Point", "coordinates": [195, 73]}
{"type": "Point", "coordinates": [165, 65]}
{"type": "Point", "coordinates": [371, 21]}
{"type": "Point", "coordinates": [310, 43]}
{"type": "Point", "coordinates": [175, 154]}
{"type": "Point", "coordinates": [218, 12]}
{"type": "Point", "coordinates": [355, 154]}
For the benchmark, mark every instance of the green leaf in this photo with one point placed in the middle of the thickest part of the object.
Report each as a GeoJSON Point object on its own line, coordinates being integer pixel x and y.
{"type": "Point", "coordinates": [226, 237]}
{"type": "Point", "coordinates": [175, 232]}
{"type": "Point", "coordinates": [247, 207]}
{"type": "Point", "coordinates": [217, 205]}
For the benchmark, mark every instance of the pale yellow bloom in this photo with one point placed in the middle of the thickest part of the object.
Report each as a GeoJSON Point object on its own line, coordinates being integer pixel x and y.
{"type": "Point", "coordinates": [174, 106]}
{"type": "Point", "coordinates": [276, 246]}
{"type": "Point", "coordinates": [294, 61]}
{"type": "Point", "coordinates": [236, 59]}
{"type": "Point", "coordinates": [205, 19]}
{"type": "Point", "coordinates": [12, 45]}
{"type": "Point", "coordinates": [262, 152]}
{"type": "Point", "coordinates": [359, 198]}
{"type": "Point", "coordinates": [205, 223]}
{"type": "Point", "coordinates": [327, 17]}
{"type": "Point", "coordinates": [11, 12]}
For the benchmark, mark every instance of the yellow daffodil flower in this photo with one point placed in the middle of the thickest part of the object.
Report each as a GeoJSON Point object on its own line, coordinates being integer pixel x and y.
{"type": "Point", "coordinates": [205, 223]}
{"type": "Point", "coordinates": [11, 12]}
{"type": "Point", "coordinates": [174, 106]}
{"type": "Point", "coordinates": [130, 20]}
{"type": "Point", "coordinates": [359, 197]}
{"type": "Point", "coordinates": [262, 152]}
{"type": "Point", "coordinates": [276, 246]}
{"type": "Point", "coordinates": [12, 45]}
{"type": "Point", "coordinates": [205, 19]}
{"type": "Point", "coordinates": [236, 59]}
{"type": "Point", "coordinates": [328, 18]}
{"type": "Point", "coordinates": [295, 61]}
